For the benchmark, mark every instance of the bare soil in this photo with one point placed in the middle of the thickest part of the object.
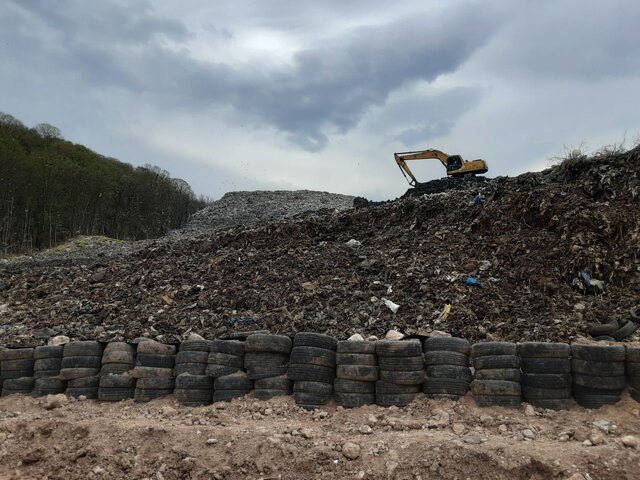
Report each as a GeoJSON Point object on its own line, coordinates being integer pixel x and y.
{"type": "Point", "coordinates": [277, 440]}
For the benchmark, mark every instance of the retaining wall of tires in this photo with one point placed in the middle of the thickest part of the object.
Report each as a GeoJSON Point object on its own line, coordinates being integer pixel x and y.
{"type": "Point", "coordinates": [316, 368]}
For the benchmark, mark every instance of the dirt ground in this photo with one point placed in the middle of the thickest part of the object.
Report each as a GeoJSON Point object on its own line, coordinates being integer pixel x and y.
{"type": "Point", "coordinates": [47, 439]}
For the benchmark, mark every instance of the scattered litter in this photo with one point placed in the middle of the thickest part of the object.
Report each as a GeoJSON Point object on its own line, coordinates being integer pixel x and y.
{"type": "Point", "coordinates": [473, 282]}
{"type": "Point", "coordinates": [392, 306]}
{"type": "Point", "coordinates": [353, 243]}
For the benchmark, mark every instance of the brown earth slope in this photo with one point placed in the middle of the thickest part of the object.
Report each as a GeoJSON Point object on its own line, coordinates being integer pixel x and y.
{"type": "Point", "coordinates": [526, 243]}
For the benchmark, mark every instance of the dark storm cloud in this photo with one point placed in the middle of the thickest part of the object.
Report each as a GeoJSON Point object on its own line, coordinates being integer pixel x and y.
{"type": "Point", "coordinates": [327, 87]}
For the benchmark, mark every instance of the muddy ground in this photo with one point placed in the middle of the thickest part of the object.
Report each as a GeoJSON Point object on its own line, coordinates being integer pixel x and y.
{"type": "Point", "coordinates": [277, 440]}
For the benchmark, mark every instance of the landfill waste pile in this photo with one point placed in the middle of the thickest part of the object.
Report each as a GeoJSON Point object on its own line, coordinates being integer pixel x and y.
{"type": "Point", "coordinates": [498, 260]}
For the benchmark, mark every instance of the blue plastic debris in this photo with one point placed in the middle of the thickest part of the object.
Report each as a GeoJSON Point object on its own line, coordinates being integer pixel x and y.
{"type": "Point", "coordinates": [473, 282]}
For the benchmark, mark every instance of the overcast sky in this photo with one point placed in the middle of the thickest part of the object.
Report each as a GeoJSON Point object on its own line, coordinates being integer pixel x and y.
{"type": "Point", "coordinates": [283, 94]}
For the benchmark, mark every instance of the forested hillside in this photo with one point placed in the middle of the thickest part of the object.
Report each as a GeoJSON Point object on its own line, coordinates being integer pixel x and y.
{"type": "Point", "coordinates": [52, 189]}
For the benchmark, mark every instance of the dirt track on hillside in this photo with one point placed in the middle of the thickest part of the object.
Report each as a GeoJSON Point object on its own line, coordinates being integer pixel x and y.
{"type": "Point", "coordinates": [277, 440]}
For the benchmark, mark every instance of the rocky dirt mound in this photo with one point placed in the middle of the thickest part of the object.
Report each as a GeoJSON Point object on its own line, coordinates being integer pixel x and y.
{"type": "Point", "coordinates": [64, 439]}
{"type": "Point", "coordinates": [526, 243]}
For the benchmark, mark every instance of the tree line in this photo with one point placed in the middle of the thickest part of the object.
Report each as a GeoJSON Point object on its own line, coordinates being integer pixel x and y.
{"type": "Point", "coordinates": [52, 189]}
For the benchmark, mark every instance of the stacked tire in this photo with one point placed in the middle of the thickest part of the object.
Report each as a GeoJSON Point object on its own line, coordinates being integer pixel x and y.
{"type": "Point", "coordinates": [268, 388]}
{"type": "Point", "coordinates": [546, 378]}
{"type": "Point", "coordinates": [446, 361]}
{"type": "Point", "coordinates": [356, 373]}
{"type": "Point", "coordinates": [16, 370]}
{"type": "Point", "coordinates": [497, 374]}
{"type": "Point", "coordinates": [232, 386]}
{"type": "Point", "coordinates": [80, 367]}
{"type": "Point", "coordinates": [598, 373]}
{"type": "Point", "coordinates": [154, 370]}
{"type": "Point", "coordinates": [312, 368]}
{"type": "Point", "coordinates": [46, 370]}
{"type": "Point", "coordinates": [401, 372]}
{"type": "Point", "coordinates": [632, 367]}
{"type": "Point", "coordinates": [266, 357]}
{"type": "Point", "coordinates": [225, 357]}
{"type": "Point", "coordinates": [193, 390]}
{"type": "Point", "coordinates": [192, 357]}
{"type": "Point", "coordinates": [116, 382]}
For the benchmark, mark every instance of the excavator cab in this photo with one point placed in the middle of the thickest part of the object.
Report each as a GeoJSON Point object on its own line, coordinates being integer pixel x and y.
{"type": "Point", "coordinates": [454, 162]}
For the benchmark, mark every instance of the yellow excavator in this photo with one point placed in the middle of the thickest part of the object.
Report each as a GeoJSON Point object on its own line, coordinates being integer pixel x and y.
{"type": "Point", "coordinates": [456, 166]}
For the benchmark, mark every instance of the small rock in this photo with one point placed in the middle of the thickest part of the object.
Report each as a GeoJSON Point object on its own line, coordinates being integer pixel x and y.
{"type": "Point", "coordinates": [351, 450]}
{"type": "Point", "coordinates": [587, 443]}
{"type": "Point", "coordinates": [597, 438]}
{"type": "Point", "coordinates": [439, 333]}
{"type": "Point", "coordinates": [630, 441]}
{"type": "Point", "coordinates": [98, 470]}
{"type": "Point", "coordinates": [458, 428]}
{"type": "Point", "coordinates": [604, 425]}
{"type": "Point", "coordinates": [563, 437]}
{"type": "Point", "coordinates": [59, 340]}
{"type": "Point", "coordinates": [577, 476]}
{"type": "Point", "coordinates": [356, 337]}
{"type": "Point", "coordinates": [372, 420]}
{"type": "Point", "coordinates": [440, 419]}
{"type": "Point", "coordinates": [55, 401]}
{"type": "Point", "coordinates": [391, 468]}
{"type": "Point", "coordinates": [472, 439]}
{"type": "Point", "coordinates": [372, 338]}
{"type": "Point", "coordinates": [353, 243]}
{"type": "Point", "coordinates": [194, 336]}
{"type": "Point", "coordinates": [486, 420]}
{"type": "Point", "coordinates": [394, 335]}
{"type": "Point", "coordinates": [365, 430]}
{"type": "Point", "coordinates": [168, 411]}
{"type": "Point", "coordinates": [82, 398]}
{"type": "Point", "coordinates": [212, 441]}
{"type": "Point", "coordinates": [579, 307]}
{"type": "Point", "coordinates": [529, 411]}
{"type": "Point", "coordinates": [528, 433]}
{"type": "Point", "coordinates": [502, 428]}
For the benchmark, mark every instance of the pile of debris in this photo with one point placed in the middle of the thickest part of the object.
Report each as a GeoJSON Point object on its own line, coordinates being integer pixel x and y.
{"type": "Point", "coordinates": [502, 268]}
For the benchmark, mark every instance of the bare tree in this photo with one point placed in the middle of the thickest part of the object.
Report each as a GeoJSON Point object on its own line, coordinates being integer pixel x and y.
{"type": "Point", "coordinates": [46, 130]}
{"type": "Point", "coordinates": [7, 119]}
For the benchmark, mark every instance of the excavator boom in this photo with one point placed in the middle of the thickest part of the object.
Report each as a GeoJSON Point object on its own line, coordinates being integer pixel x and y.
{"type": "Point", "coordinates": [456, 166]}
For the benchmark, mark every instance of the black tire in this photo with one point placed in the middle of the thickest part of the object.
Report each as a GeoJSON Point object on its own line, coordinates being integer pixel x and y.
{"type": "Point", "coordinates": [632, 369]}
{"type": "Point", "coordinates": [84, 382]}
{"type": "Point", "coordinates": [496, 361]}
{"type": "Point", "coordinates": [226, 360]}
{"type": "Point", "coordinates": [439, 357]}
{"type": "Point", "coordinates": [497, 400]}
{"type": "Point", "coordinates": [143, 372]}
{"type": "Point", "coordinates": [215, 371]}
{"type": "Point", "coordinates": [633, 354]}
{"type": "Point", "coordinates": [268, 343]}
{"type": "Point", "coordinates": [601, 382]}
{"type": "Point", "coordinates": [48, 351]}
{"type": "Point", "coordinates": [625, 331]}
{"type": "Point", "coordinates": [115, 368]}
{"type": "Point", "coordinates": [85, 348]}
{"type": "Point", "coordinates": [190, 369]}
{"type": "Point", "coordinates": [394, 399]}
{"type": "Point", "coordinates": [506, 374]}
{"type": "Point", "coordinates": [195, 346]}
{"type": "Point", "coordinates": [24, 384]}
{"type": "Point", "coordinates": [598, 353]}
{"type": "Point", "coordinates": [347, 346]}
{"type": "Point", "coordinates": [318, 340]}
{"type": "Point", "coordinates": [311, 373]}
{"type": "Point", "coordinates": [342, 385]}
{"type": "Point", "coordinates": [493, 348]}
{"type": "Point", "coordinates": [579, 390]}
{"type": "Point", "coordinates": [238, 381]}
{"type": "Point", "coordinates": [401, 363]}
{"type": "Point", "coordinates": [635, 313]}
{"type": "Point", "coordinates": [144, 395]}
{"type": "Point", "coordinates": [151, 347]}
{"type": "Point", "coordinates": [119, 347]}
{"type": "Point", "coordinates": [266, 372]}
{"type": "Point", "coordinates": [545, 365]}
{"type": "Point", "coordinates": [600, 329]}
{"type": "Point", "coordinates": [264, 359]}
{"type": "Point", "coordinates": [356, 359]}
{"type": "Point", "coordinates": [189, 356]}
{"type": "Point", "coordinates": [445, 386]}
{"type": "Point", "coordinates": [117, 381]}
{"type": "Point", "coordinates": [544, 350]}
{"type": "Point", "coordinates": [16, 354]}
{"type": "Point", "coordinates": [317, 388]}
{"type": "Point", "coordinates": [443, 396]}
{"type": "Point", "coordinates": [594, 402]}
{"type": "Point", "coordinates": [228, 395]}
{"type": "Point", "coordinates": [196, 382]}
{"type": "Point", "coordinates": [403, 378]}
{"type": "Point", "coordinates": [587, 367]}
{"type": "Point", "coordinates": [449, 371]}
{"type": "Point", "coordinates": [307, 398]}
{"type": "Point", "coordinates": [313, 356]}
{"type": "Point", "coordinates": [6, 375]}
{"type": "Point", "coordinates": [155, 360]}
{"type": "Point", "coordinates": [45, 373]}
{"type": "Point", "coordinates": [230, 347]}
{"type": "Point", "coordinates": [547, 380]}
{"type": "Point", "coordinates": [552, 403]}
{"type": "Point", "coordinates": [398, 348]}
{"type": "Point", "coordinates": [74, 373]}
{"type": "Point", "coordinates": [604, 338]}
{"type": "Point", "coordinates": [634, 393]}
{"type": "Point", "coordinates": [88, 392]}
{"type": "Point", "coordinates": [535, 393]}
{"type": "Point", "coordinates": [360, 373]}
{"type": "Point", "coordinates": [157, 383]}
{"type": "Point", "coordinates": [49, 383]}
{"type": "Point", "coordinates": [354, 400]}
{"type": "Point", "coordinates": [118, 356]}
{"type": "Point", "coordinates": [267, 394]}
{"type": "Point", "coordinates": [273, 383]}
{"type": "Point", "coordinates": [115, 394]}
{"type": "Point", "coordinates": [447, 344]}
{"type": "Point", "coordinates": [495, 387]}
{"type": "Point", "coordinates": [194, 396]}
{"type": "Point", "coordinates": [383, 387]}
{"type": "Point", "coordinates": [81, 362]}
{"type": "Point", "coordinates": [13, 365]}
